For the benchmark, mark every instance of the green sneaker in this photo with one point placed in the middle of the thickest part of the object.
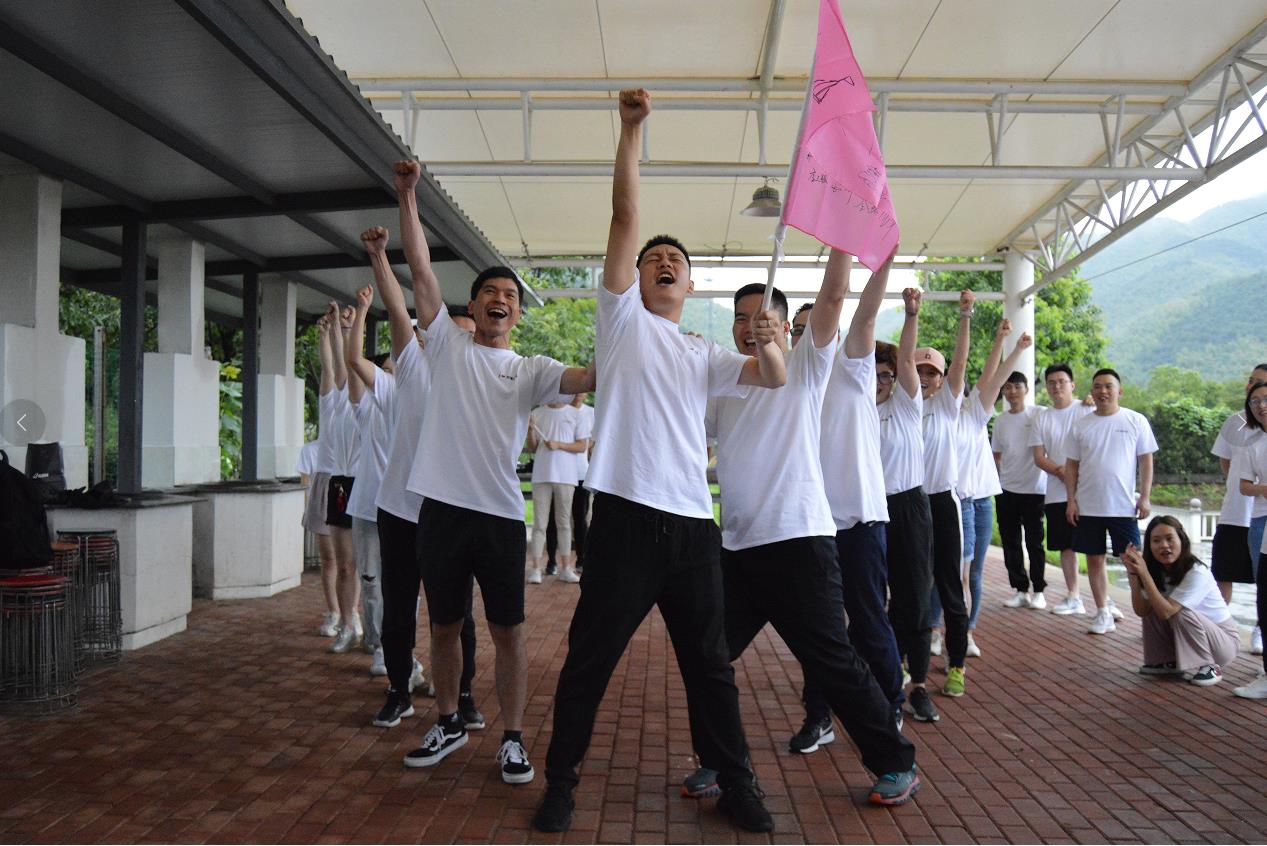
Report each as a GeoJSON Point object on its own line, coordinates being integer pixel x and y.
{"type": "Point", "coordinates": [954, 682]}
{"type": "Point", "coordinates": [906, 676]}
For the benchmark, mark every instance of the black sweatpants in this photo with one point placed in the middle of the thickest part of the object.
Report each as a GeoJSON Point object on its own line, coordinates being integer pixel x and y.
{"type": "Point", "coordinates": [948, 573]}
{"type": "Point", "coordinates": [795, 585]}
{"type": "Point", "coordinates": [910, 556]}
{"type": "Point", "coordinates": [641, 557]}
{"type": "Point", "coordinates": [1019, 512]}
{"type": "Point", "coordinates": [401, 579]}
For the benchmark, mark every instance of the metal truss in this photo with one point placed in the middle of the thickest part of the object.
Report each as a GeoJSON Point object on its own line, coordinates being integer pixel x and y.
{"type": "Point", "coordinates": [1090, 214]}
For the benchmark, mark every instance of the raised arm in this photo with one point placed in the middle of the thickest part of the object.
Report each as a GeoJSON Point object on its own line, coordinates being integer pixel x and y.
{"type": "Point", "coordinates": [824, 318]}
{"type": "Point", "coordinates": [402, 329]}
{"type": "Point", "coordinates": [619, 269]}
{"type": "Point", "coordinates": [989, 389]}
{"type": "Point", "coordinates": [860, 341]}
{"type": "Point", "coordinates": [767, 369]}
{"type": "Point", "coordinates": [338, 325]}
{"type": "Point", "coordinates": [907, 374]}
{"type": "Point", "coordinates": [324, 354]}
{"type": "Point", "coordinates": [992, 360]}
{"type": "Point", "coordinates": [578, 380]}
{"type": "Point", "coordinates": [354, 351]}
{"type": "Point", "coordinates": [427, 296]}
{"type": "Point", "coordinates": [959, 364]}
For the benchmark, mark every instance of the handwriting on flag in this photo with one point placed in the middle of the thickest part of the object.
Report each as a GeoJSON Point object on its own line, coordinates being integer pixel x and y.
{"type": "Point", "coordinates": [838, 190]}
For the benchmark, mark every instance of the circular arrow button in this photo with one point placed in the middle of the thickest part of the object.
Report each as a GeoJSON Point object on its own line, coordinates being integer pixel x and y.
{"type": "Point", "coordinates": [22, 422]}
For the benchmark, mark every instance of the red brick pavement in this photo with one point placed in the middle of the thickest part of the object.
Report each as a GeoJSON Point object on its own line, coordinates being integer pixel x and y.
{"type": "Point", "coordinates": [244, 729]}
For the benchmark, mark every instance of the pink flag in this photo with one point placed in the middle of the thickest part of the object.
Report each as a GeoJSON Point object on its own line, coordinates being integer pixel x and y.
{"type": "Point", "coordinates": [838, 190]}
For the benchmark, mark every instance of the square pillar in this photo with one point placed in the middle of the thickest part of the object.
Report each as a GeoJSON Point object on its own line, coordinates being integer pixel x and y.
{"type": "Point", "coordinates": [1018, 274]}
{"type": "Point", "coordinates": [281, 395]}
{"type": "Point", "coordinates": [181, 276]}
{"type": "Point", "coordinates": [37, 362]}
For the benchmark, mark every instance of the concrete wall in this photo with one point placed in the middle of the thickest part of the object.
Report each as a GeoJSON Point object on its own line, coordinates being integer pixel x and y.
{"type": "Point", "coordinates": [181, 430]}
{"type": "Point", "coordinates": [247, 544]}
{"type": "Point", "coordinates": [47, 367]}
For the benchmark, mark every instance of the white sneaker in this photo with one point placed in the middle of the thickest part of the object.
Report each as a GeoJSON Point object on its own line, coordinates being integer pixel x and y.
{"type": "Point", "coordinates": [330, 626]}
{"type": "Point", "coordinates": [974, 651]}
{"type": "Point", "coordinates": [516, 768]}
{"type": "Point", "coordinates": [934, 647]}
{"type": "Point", "coordinates": [345, 641]}
{"type": "Point", "coordinates": [1019, 600]}
{"type": "Point", "coordinates": [1115, 611]}
{"type": "Point", "coordinates": [1256, 642]}
{"type": "Point", "coordinates": [416, 677]}
{"type": "Point", "coordinates": [534, 577]}
{"type": "Point", "coordinates": [378, 666]}
{"type": "Point", "coordinates": [1103, 623]}
{"type": "Point", "coordinates": [1257, 689]}
{"type": "Point", "coordinates": [1038, 602]}
{"type": "Point", "coordinates": [1069, 605]}
{"type": "Point", "coordinates": [569, 575]}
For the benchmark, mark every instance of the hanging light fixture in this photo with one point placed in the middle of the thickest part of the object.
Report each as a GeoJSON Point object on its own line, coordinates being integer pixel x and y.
{"type": "Point", "coordinates": [765, 202]}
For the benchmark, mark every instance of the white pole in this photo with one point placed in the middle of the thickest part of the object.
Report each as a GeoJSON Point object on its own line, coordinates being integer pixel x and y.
{"type": "Point", "coordinates": [1018, 307]}
{"type": "Point", "coordinates": [780, 231]}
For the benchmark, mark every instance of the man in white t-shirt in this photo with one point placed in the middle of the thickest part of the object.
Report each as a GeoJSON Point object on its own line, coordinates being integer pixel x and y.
{"type": "Point", "coordinates": [1047, 441]}
{"type": "Point", "coordinates": [779, 559]}
{"type": "Point", "coordinates": [554, 441]}
{"type": "Point", "coordinates": [1101, 453]}
{"type": "Point", "coordinates": [653, 541]}
{"type": "Point", "coordinates": [471, 519]}
{"type": "Point", "coordinates": [397, 506]}
{"type": "Point", "coordinates": [1021, 503]}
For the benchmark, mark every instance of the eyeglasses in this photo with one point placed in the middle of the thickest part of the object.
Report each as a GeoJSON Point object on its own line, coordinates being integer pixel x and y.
{"type": "Point", "coordinates": [1058, 383]}
{"type": "Point", "coordinates": [884, 378]}
{"type": "Point", "coordinates": [1260, 402]}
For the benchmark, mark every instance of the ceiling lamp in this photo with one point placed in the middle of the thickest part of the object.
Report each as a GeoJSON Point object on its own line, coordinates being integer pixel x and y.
{"type": "Point", "coordinates": [765, 202]}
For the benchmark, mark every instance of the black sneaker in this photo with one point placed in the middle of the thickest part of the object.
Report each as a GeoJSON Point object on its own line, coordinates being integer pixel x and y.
{"type": "Point", "coordinates": [471, 717]}
{"type": "Point", "coordinates": [436, 745]}
{"type": "Point", "coordinates": [811, 736]}
{"type": "Point", "coordinates": [516, 768]}
{"type": "Point", "coordinates": [920, 706]}
{"type": "Point", "coordinates": [397, 706]}
{"type": "Point", "coordinates": [555, 811]}
{"type": "Point", "coordinates": [552, 568]}
{"type": "Point", "coordinates": [742, 803]}
{"type": "Point", "coordinates": [897, 716]}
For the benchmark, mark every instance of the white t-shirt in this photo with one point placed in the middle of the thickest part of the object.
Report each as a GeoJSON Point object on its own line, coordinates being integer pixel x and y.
{"type": "Point", "coordinates": [1106, 449]}
{"type": "Point", "coordinates": [901, 441]}
{"type": "Point", "coordinates": [1238, 509]}
{"type": "Point", "coordinates": [307, 463]}
{"type": "Point", "coordinates": [584, 429]}
{"type": "Point", "coordinates": [373, 416]}
{"type": "Point", "coordinates": [654, 383]}
{"type": "Point", "coordinates": [476, 421]}
{"type": "Point", "coordinates": [1017, 471]}
{"type": "Point", "coordinates": [978, 476]}
{"type": "Point", "coordinates": [849, 447]}
{"type": "Point", "coordinates": [413, 384]}
{"type": "Point", "coordinates": [941, 424]}
{"type": "Point", "coordinates": [1255, 469]}
{"type": "Point", "coordinates": [1236, 435]}
{"type": "Point", "coordinates": [1049, 431]}
{"type": "Point", "coordinates": [340, 441]}
{"type": "Point", "coordinates": [554, 466]}
{"type": "Point", "coordinates": [1200, 592]}
{"type": "Point", "coordinates": [768, 467]}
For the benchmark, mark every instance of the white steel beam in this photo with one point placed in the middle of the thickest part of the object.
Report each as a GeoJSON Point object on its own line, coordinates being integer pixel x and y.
{"type": "Point", "coordinates": [760, 263]}
{"type": "Point", "coordinates": [935, 296]}
{"type": "Point", "coordinates": [743, 169]}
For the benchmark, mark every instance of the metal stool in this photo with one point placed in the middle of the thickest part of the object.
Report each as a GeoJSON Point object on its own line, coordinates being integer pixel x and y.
{"type": "Point", "coordinates": [102, 626]}
{"type": "Point", "coordinates": [68, 562]}
{"type": "Point", "coordinates": [37, 645]}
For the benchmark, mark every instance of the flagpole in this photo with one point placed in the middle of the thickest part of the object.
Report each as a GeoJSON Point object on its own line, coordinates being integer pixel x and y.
{"type": "Point", "coordinates": [780, 230]}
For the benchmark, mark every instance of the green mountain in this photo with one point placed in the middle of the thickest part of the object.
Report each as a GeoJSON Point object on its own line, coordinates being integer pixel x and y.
{"type": "Point", "coordinates": [1200, 306]}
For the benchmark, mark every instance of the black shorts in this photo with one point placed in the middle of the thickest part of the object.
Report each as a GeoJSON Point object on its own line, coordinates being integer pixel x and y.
{"type": "Point", "coordinates": [1088, 535]}
{"type": "Point", "coordinates": [337, 502]}
{"type": "Point", "coordinates": [455, 544]}
{"type": "Point", "coordinates": [1231, 561]}
{"type": "Point", "coordinates": [1059, 530]}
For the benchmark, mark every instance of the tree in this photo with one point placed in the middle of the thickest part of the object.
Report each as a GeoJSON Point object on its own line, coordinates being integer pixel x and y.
{"type": "Point", "coordinates": [563, 328]}
{"type": "Point", "coordinates": [1067, 326]}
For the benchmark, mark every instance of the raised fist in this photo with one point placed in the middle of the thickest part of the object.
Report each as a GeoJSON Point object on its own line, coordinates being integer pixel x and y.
{"type": "Point", "coordinates": [375, 240]}
{"type": "Point", "coordinates": [1005, 326]}
{"type": "Point", "coordinates": [765, 329]}
{"type": "Point", "coordinates": [635, 105]}
{"type": "Point", "coordinates": [1025, 341]}
{"type": "Point", "coordinates": [345, 319]}
{"type": "Point", "coordinates": [967, 300]}
{"type": "Point", "coordinates": [912, 297]}
{"type": "Point", "coordinates": [365, 298]}
{"type": "Point", "coordinates": [406, 175]}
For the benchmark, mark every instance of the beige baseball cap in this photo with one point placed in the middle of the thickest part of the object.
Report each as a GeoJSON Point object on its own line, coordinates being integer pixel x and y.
{"type": "Point", "coordinates": [930, 356]}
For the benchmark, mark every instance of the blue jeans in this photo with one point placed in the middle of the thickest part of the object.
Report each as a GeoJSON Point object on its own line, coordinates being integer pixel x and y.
{"type": "Point", "coordinates": [977, 516]}
{"type": "Point", "coordinates": [1256, 527]}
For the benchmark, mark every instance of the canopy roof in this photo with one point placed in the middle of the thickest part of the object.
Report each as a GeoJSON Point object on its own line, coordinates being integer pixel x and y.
{"type": "Point", "coordinates": [217, 119]}
{"type": "Point", "coordinates": [511, 106]}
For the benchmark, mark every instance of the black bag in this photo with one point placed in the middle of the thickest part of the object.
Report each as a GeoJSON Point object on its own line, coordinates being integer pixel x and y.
{"type": "Point", "coordinates": [24, 540]}
{"type": "Point", "coordinates": [44, 468]}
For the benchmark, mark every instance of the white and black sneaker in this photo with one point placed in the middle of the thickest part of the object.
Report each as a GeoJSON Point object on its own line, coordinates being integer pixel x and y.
{"type": "Point", "coordinates": [396, 707]}
{"type": "Point", "coordinates": [812, 735]}
{"type": "Point", "coordinates": [516, 768]}
{"type": "Point", "coordinates": [470, 716]}
{"type": "Point", "coordinates": [436, 746]}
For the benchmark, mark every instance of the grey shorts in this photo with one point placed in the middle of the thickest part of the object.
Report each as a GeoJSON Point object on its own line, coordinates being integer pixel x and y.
{"type": "Point", "coordinates": [315, 511]}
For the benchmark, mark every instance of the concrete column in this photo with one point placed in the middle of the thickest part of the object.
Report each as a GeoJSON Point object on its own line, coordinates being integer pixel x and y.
{"type": "Point", "coordinates": [1018, 274]}
{"type": "Point", "coordinates": [37, 362]}
{"type": "Point", "coordinates": [181, 429]}
{"type": "Point", "coordinates": [281, 408]}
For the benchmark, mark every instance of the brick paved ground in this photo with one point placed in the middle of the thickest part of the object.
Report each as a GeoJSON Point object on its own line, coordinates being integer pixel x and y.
{"type": "Point", "coordinates": [244, 729]}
